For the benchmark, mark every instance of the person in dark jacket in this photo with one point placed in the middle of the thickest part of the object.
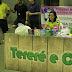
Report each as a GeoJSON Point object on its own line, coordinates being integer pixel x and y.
{"type": "Point", "coordinates": [21, 13]}
{"type": "Point", "coordinates": [33, 14]}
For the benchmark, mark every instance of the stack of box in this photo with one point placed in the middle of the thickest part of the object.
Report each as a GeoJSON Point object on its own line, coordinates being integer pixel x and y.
{"type": "Point", "coordinates": [37, 32]}
{"type": "Point", "coordinates": [42, 32]}
{"type": "Point", "coordinates": [55, 31]}
{"type": "Point", "coordinates": [48, 33]}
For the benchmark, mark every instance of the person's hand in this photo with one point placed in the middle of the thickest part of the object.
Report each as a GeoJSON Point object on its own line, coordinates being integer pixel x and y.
{"type": "Point", "coordinates": [26, 22]}
{"type": "Point", "coordinates": [11, 10]}
{"type": "Point", "coordinates": [27, 13]}
{"type": "Point", "coordinates": [30, 14]}
{"type": "Point", "coordinates": [14, 26]}
{"type": "Point", "coordinates": [43, 29]}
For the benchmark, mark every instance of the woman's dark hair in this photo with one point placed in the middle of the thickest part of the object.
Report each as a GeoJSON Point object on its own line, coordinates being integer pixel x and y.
{"type": "Point", "coordinates": [54, 15]}
{"type": "Point", "coordinates": [34, 0]}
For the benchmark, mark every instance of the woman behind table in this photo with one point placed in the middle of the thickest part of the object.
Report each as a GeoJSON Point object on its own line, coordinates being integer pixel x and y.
{"type": "Point", "coordinates": [53, 20]}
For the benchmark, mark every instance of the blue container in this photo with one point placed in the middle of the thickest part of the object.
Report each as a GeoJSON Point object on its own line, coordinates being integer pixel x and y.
{"type": "Point", "coordinates": [54, 32]}
{"type": "Point", "coordinates": [42, 32]}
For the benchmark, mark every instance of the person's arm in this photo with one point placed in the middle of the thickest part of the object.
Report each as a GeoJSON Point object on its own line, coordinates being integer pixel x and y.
{"type": "Point", "coordinates": [8, 11]}
{"type": "Point", "coordinates": [13, 11]}
{"type": "Point", "coordinates": [27, 14]}
{"type": "Point", "coordinates": [45, 26]}
{"type": "Point", "coordinates": [58, 26]}
{"type": "Point", "coordinates": [36, 13]}
{"type": "Point", "coordinates": [47, 22]}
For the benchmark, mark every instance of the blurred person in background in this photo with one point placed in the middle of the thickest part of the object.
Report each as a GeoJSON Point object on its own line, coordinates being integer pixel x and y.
{"type": "Point", "coordinates": [21, 9]}
{"type": "Point", "coordinates": [53, 20]}
{"type": "Point", "coordinates": [33, 14]}
{"type": "Point", "coordinates": [4, 13]}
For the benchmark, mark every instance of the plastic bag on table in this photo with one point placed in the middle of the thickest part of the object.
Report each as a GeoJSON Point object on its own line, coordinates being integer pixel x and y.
{"type": "Point", "coordinates": [22, 30]}
{"type": "Point", "coordinates": [20, 24]}
{"type": "Point", "coordinates": [65, 30]}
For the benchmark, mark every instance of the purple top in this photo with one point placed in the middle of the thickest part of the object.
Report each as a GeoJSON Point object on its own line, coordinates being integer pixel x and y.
{"type": "Point", "coordinates": [34, 8]}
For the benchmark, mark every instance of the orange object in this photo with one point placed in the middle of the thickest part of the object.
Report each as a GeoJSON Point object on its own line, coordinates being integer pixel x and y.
{"type": "Point", "coordinates": [37, 32]}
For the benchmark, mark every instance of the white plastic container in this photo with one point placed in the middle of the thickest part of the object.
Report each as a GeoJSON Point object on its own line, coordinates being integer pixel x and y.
{"type": "Point", "coordinates": [65, 30]}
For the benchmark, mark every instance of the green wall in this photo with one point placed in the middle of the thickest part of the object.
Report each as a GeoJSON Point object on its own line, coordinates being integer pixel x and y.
{"type": "Point", "coordinates": [61, 2]}
{"type": "Point", "coordinates": [65, 2]}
